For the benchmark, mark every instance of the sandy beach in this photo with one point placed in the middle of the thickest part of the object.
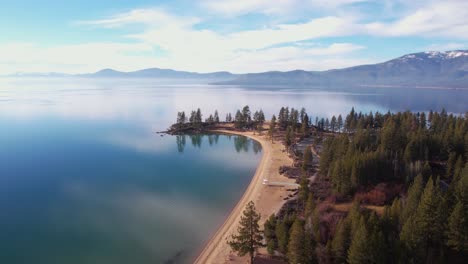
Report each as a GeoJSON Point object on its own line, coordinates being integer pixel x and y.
{"type": "Point", "coordinates": [268, 199]}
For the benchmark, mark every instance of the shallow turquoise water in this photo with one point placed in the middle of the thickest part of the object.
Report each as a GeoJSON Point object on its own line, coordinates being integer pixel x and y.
{"type": "Point", "coordinates": [84, 178]}
{"type": "Point", "coordinates": [72, 192]}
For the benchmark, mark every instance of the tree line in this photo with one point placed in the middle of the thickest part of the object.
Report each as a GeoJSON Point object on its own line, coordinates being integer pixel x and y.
{"type": "Point", "coordinates": [427, 222]}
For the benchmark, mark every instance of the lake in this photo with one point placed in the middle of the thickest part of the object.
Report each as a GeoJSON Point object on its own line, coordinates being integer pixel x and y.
{"type": "Point", "coordinates": [84, 178]}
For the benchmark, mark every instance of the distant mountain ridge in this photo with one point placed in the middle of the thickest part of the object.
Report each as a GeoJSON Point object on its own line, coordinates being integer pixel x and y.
{"type": "Point", "coordinates": [159, 73]}
{"type": "Point", "coordinates": [424, 68]}
{"type": "Point", "coordinates": [431, 68]}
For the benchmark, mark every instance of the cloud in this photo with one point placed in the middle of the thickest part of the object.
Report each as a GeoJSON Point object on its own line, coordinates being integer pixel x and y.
{"type": "Point", "coordinates": [207, 50]}
{"type": "Point", "coordinates": [153, 16]}
{"type": "Point", "coordinates": [446, 46]}
{"type": "Point", "coordinates": [30, 57]}
{"type": "Point", "coordinates": [440, 19]}
{"type": "Point", "coordinates": [241, 7]}
{"type": "Point", "coordinates": [195, 43]}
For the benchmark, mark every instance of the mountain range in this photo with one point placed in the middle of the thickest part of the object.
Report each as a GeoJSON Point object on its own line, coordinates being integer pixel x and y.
{"type": "Point", "coordinates": [425, 68]}
{"type": "Point", "coordinates": [432, 68]}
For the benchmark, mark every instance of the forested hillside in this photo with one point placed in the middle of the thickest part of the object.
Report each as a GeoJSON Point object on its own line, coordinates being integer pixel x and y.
{"type": "Point", "coordinates": [396, 191]}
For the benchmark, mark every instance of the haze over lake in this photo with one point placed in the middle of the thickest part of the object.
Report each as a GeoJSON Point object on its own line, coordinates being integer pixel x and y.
{"type": "Point", "coordinates": [84, 178]}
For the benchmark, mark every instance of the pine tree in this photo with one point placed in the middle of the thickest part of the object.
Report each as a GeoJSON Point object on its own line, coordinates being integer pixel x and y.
{"type": "Point", "coordinates": [310, 206]}
{"type": "Point", "coordinates": [340, 123]}
{"type": "Point", "coordinates": [457, 233]}
{"type": "Point", "coordinates": [303, 190]}
{"type": "Point", "coordinates": [305, 125]}
{"type": "Point", "coordinates": [198, 118]}
{"type": "Point", "coordinates": [359, 249]}
{"type": "Point", "coordinates": [281, 232]}
{"type": "Point", "coordinates": [181, 118]}
{"type": "Point", "coordinates": [272, 129]}
{"type": "Point", "coordinates": [341, 241]}
{"type": "Point", "coordinates": [333, 124]}
{"type": "Point", "coordinates": [270, 235]}
{"type": "Point", "coordinates": [246, 118]}
{"type": "Point", "coordinates": [239, 120]}
{"type": "Point", "coordinates": [296, 248]}
{"type": "Point", "coordinates": [308, 158]}
{"type": "Point", "coordinates": [412, 199]}
{"type": "Point", "coordinates": [216, 117]}
{"type": "Point", "coordinates": [249, 237]}
{"type": "Point", "coordinates": [309, 247]}
{"type": "Point", "coordinates": [422, 231]}
{"type": "Point", "coordinates": [451, 165]}
{"type": "Point", "coordinates": [289, 136]}
{"type": "Point", "coordinates": [458, 168]}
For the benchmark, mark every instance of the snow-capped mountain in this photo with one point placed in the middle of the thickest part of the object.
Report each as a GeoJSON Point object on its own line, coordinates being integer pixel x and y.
{"type": "Point", "coordinates": [432, 68]}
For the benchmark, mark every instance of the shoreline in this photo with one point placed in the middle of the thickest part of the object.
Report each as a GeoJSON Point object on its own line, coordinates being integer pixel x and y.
{"type": "Point", "coordinates": [267, 199]}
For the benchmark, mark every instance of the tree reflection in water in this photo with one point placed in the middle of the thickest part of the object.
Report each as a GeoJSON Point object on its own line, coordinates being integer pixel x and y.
{"type": "Point", "coordinates": [240, 143]}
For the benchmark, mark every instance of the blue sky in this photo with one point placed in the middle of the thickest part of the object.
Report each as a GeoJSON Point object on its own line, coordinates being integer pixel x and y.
{"type": "Point", "coordinates": [213, 35]}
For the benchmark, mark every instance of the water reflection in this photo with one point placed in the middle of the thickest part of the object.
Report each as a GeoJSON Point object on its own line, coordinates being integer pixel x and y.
{"type": "Point", "coordinates": [85, 179]}
{"type": "Point", "coordinates": [71, 193]}
{"type": "Point", "coordinates": [181, 140]}
{"type": "Point", "coordinates": [153, 104]}
{"type": "Point", "coordinates": [240, 143]}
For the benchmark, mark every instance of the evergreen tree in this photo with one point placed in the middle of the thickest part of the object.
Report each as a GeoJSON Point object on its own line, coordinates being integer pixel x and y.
{"type": "Point", "coordinates": [333, 124]}
{"type": "Point", "coordinates": [216, 117]}
{"type": "Point", "coordinates": [308, 158]}
{"type": "Point", "coordinates": [228, 118]}
{"type": "Point", "coordinates": [310, 206]}
{"type": "Point", "coordinates": [272, 129]}
{"type": "Point", "coordinates": [198, 118]}
{"type": "Point", "coordinates": [303, 114]}
{"type": "Point", "coordinates": [457, 171]}
{"type": "Point", "coordinates": [281, 232]}
{"type": "Point", "coordinates": [181, 119]}
{"type": "Point", "coordinates": [412, 199]}
{"type": "Point", "coordinates": [270, 234]}
{"type": "Point", "coordinates": [246, 118]}
{"type": "Point", "coordinates": [305, 125]}
{"type": "Point", "coordinates": [193, 117]}
{"type": "Point", "coordinates": [239, 120]}
{"type": "Point", "coordinates": [359, 249]}
{"type": "Point", "coordinates": [309, 247]}
{"type": "Point", "coordinates": [289, 136]}
{"type": "Point", "coordinates": [457, 233]}
{"type": "Point", "coordinates": [451, 165]}
{"type": "Point", "coordinates": [303, 190]}
{"type": "Point", "coordinates": [341, 241]}
{"type": "Point", "coordinates": [296, 249]}
{"type": "Point", "coordinates": [422, 232]}
{"type": "Point", "coordinates": [249, 237]}
{"type": "Point", "coordinates": [340, 123]}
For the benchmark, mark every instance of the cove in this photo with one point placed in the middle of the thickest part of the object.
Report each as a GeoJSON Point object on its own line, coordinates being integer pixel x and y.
{"type": "Point", "coordinates": [100, 192]}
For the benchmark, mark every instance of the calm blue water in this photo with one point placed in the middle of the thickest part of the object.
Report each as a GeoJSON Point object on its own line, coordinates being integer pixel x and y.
{"type": "Point", "coordinates": [84, 178]}
{"type": "Point", "coordinates": [105, 192]}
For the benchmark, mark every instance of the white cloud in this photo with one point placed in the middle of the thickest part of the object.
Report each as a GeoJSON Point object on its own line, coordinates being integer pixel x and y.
{"type": "Point", "coordinates": [441, 19]}
{"type": "Point", "coordinates": [240, 7]}
{"type": "Point", "coordinates": [187, 46]}
{"type": "Point", "coordinates": [446, 46]}
{"type": "Point", "coordinates": [153, 17]}
{"type": "Point", "coordinates": [207, 50]}
{"type": "Point", "coordinates": [236, 7]}
{"type": "Point", "coordinates": [28, 57]}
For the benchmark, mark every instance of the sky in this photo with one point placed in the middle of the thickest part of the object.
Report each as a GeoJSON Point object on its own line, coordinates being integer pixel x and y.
{"type": "Point", "coordinates": [213, 35]}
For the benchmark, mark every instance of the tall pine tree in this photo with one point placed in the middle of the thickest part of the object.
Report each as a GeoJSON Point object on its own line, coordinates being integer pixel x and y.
{"type": "Point", "coordinates": [249, 237]}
